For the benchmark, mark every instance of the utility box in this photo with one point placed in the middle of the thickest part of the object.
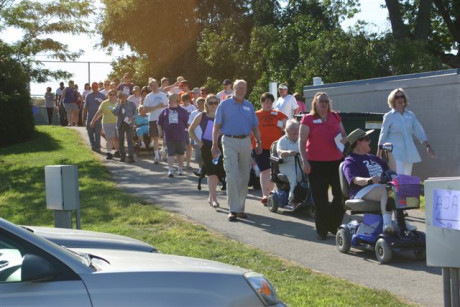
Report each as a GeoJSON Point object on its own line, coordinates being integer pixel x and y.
{"type": "Point", "coordinates": [62, 187]}
{"type": "Point", "coordinates": [442, 204]}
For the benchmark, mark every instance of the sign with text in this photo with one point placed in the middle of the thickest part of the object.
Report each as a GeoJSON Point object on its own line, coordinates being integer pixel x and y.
{"type": "Point", "coordinates": [442, 209]}
{"type": "Point", "coordinates": [446, 212]}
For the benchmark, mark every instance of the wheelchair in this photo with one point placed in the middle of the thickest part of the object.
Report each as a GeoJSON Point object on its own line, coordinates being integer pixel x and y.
{"type": "Point", "coordinates": [137, 143]}
{"type": "Point", "coordinates": [367, 234]}
{"type": "Point", "coordinates": [279, 197]}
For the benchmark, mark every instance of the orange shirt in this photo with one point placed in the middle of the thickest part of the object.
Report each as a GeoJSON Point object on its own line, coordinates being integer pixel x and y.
{"type": "Point", "coordinates": [268, 127]}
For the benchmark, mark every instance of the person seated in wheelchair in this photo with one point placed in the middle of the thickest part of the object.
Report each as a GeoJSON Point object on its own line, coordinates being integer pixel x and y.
{"type": "Point", "coordinates": [141, 123]}
{"type": "Point", "coordinates": [363, 172]}
{"type": "Point", "coordinates": [287, 148]}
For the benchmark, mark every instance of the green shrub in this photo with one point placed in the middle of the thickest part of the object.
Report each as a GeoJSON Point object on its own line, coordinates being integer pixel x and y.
{"type": "Point", "coordinates": [16, 118]}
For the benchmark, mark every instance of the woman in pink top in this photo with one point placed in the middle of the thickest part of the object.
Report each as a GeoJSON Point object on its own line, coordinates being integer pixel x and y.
{"type": "Point", "coordinates": [321, 159]}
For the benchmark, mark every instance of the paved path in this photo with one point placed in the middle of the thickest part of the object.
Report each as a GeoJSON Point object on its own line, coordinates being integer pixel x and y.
{"type": "Point", "coordinates": [289, 236]}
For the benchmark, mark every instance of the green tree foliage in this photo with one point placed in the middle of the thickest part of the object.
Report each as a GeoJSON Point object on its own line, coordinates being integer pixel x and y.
{"type": "Point", "coordinates": [38, 22]}
{"type": "Point", "coordinates": [16, 122]}
{"type": "Point", "coordinates": [430, 28]}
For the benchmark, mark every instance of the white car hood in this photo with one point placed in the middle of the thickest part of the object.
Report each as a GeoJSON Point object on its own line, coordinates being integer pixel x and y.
{"type": "Point", "coordinates": [132, 261]}
{"type": "Point", "coordinates": [75, 238]}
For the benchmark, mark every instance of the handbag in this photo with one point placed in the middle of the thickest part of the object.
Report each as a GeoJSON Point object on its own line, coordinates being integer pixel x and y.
{"type": "Point", "coordinates": [302, 187]}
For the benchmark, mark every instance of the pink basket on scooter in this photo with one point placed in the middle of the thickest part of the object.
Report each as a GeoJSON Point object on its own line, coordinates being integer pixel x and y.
{"type": "Point", "coordinates": [406, 192]}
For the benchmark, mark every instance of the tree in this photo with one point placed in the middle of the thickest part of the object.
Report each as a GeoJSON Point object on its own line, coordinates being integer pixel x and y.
{"type": "Point", "coordinates": [431, 26]}
{"type": "Point", "coordinates": [37, 20]}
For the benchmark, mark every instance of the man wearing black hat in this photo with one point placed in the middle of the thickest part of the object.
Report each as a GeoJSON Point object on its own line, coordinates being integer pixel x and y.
{"type": "Point", "coordinates": [363, 172]}
{"type": "Point", "coordinates": [227, 91]}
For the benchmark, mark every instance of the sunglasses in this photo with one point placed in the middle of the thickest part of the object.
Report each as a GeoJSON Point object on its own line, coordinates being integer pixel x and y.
{"type": "Point", "coordinates": [400, 96]}
{"type": "Point", "coordinates": [364, 138]}
{"type": "Point", "coordinates": [324, 100]}
{"type": "Point", "coordinates": [213, 102]}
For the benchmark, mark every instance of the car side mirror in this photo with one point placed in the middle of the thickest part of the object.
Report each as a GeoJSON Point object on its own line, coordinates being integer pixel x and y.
{"type": "Point", "coordinates": [35, 268]}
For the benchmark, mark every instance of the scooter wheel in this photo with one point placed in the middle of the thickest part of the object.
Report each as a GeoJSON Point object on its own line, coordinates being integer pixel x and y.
{"type": "Point", "coordinates": [342, 241]}
{"type": "Point", "coordinates": [383, 252]}
{"type": "Point", "coordinates": [271, 203]}
{"type": "Point", "coordinates": [419, 254]}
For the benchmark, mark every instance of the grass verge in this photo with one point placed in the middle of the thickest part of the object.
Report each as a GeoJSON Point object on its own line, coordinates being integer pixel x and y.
{"type": "Point", "coordinates": [106, 208]}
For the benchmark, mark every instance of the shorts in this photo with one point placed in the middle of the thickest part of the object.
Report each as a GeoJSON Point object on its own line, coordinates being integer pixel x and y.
{"type": "Point", "coordinates": [211, 168]}
{"type": "Point", "coordinates": [110, 131]}
{"type": "Point", "coordinates": [175, 148]}
{"type": "Point", "coordinates": [262, 160]}
{"type": "Point", "coordinates": [70, 106]}
{"type": "Point", "coordinates": [153, 129]}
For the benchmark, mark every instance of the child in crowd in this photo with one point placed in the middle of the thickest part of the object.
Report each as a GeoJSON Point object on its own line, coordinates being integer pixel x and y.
{"type": "Point", "coordinates": [142, 125]}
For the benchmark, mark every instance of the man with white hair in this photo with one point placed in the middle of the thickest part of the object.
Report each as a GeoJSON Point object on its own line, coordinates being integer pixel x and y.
{"type": "Point", "coordinates": [235, 119]}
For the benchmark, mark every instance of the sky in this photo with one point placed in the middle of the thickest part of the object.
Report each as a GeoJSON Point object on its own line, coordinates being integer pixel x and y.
{"type": "Point", "coordinates": [370, 12]}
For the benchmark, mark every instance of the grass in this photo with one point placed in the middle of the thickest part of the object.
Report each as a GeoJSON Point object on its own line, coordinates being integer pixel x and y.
{"type": "Point", "coordinates": [106, 208]}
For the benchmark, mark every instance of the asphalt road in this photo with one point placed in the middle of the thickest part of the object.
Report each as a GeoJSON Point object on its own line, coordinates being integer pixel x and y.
{"type": "Point", "coordinates": [287, 235]}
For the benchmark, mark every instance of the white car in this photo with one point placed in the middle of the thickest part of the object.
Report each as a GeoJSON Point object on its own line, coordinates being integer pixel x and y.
{"type": "Point", "coordinates": [37, 272]}
{"type": "Point", "coordinates": [76, 238]}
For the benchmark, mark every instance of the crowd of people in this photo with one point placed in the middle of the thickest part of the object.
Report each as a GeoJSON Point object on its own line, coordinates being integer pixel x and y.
{"type": "Point", "coordinates": [229, 138]}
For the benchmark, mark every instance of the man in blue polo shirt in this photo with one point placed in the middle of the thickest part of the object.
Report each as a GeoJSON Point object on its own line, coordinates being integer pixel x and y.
{"type": "Point", "coordinates": [235, 119]}
{"type": "Point", "coordinates": [92, 102]}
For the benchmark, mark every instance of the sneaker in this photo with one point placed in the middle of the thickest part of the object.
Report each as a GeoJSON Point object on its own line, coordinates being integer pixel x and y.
{"type": "Point", "coordinates": [231, 216]}
{"type": "Point", "coordinates": [109, 156]}
{"type": "Point", "coordinates": [143, 145]}
{"type": "Point", "coordinates": [130, 160]}
{"type": "Point", "coordinates": [117, 154]}
{"type": "Point", "coordinates": [180, 172]}
{"type": "Point", "coordinates": [410, 227]}
{"type": "Point", "coordinates": [156, 160]}
{"type": "Point", "coordinates": [264, 200]}
{"type": "Point", "coordinates": [388, 228]}
{"type": "Point", "coordinates": [170, 174]}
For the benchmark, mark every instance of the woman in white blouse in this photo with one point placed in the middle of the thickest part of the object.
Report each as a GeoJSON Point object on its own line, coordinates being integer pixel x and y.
{"type": "Point", "coordinates": [398, 127]}
{"type": "Point", "coordinates": [287, 148]}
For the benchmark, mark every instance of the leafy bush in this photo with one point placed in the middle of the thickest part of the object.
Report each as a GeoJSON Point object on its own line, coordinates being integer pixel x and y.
{"type": "Point", "coordinates": [16, 119]}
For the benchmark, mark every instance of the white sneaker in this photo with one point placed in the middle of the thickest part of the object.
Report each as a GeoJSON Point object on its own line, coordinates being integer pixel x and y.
{"type": "Point", "coordinates": [180, 172]}
{"type": "Point", "coordinates": [170, 173]}
{"type": "Point", "coordinates": [142, 145]}
{"type": "Point", "coordinates": [410, 227]}
{"type": "Point", "coordinates": [156, 160]}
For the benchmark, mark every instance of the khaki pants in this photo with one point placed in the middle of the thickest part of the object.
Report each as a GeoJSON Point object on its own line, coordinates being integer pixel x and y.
{"type": "Point", "coordinates": [237, 165]}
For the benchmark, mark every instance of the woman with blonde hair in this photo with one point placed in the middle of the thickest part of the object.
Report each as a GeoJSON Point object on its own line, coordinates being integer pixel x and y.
{"type": "Point", "coordinates": [398, 128]}
{"type": "Point", "coordinates": [206, 121]}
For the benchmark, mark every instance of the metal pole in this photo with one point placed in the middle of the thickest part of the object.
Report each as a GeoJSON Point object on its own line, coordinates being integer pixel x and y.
{"type": "Point", "coordinates": [454, 286]}
{"type": "Point", "coordinates": [446, 286]}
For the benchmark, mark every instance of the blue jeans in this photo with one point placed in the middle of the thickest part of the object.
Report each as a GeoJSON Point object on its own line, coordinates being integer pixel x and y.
{"type": "Point", "coordinates": [94, 134]}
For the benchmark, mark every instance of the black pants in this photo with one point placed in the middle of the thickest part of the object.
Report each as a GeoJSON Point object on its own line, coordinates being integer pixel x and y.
{"type": "Point", "coordinates": [49, 111]}
{"type": "Point", "coordinates": [328, 215]}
